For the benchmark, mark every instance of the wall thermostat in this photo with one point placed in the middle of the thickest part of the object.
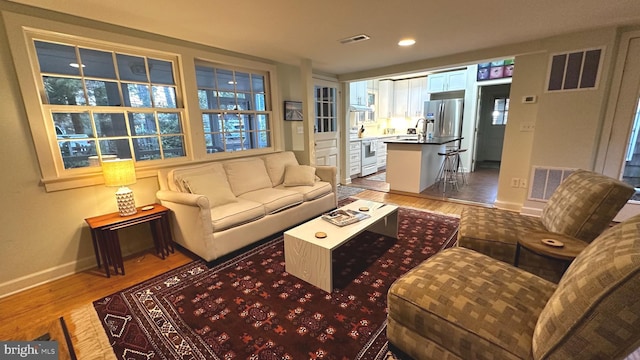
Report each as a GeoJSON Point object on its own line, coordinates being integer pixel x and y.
{"type": "Point", "coordinates": [529, 99]}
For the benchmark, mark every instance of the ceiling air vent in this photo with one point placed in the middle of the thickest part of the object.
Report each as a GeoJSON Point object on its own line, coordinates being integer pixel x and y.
{"type": "Point", "coordinates": [355, 38]}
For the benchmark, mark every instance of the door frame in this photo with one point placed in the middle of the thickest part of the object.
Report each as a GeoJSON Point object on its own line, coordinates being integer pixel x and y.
{"type": "Point", "coordinates": [339, 121]}
{"type": "Point", "coordinates": [619, 116]}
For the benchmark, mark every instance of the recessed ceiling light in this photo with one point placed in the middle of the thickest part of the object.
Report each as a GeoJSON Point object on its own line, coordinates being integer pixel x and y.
{"type": "Point", "coordinates": [76, 65]}
{"type": "Point", "coordinates": [406, 42]}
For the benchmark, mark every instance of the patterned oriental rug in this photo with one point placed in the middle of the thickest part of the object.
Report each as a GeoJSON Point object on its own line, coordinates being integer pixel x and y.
{"type": "Point", "coordinates": [249, 307]}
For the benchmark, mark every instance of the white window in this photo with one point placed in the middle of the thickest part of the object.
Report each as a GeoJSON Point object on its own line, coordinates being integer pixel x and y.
{"type": "Point", "coordinates": [104, 103]}
{"type": "Point", "coordinates": [326, 114]}
{"type": "Point", "coordinates": [236, 113]}
{"type": "Point", "coordinates": [500, 111]}
{"type": "Point", "coordinates": [89, 97]}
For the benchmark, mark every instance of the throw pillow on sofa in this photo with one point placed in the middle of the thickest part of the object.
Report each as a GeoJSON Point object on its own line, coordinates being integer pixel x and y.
{"type": "Point", "coordinates": [215, 188]}
{"type": "Point", "coordinates": [299, 175]}
{"type": "Point", "coordinates": [247, 175]}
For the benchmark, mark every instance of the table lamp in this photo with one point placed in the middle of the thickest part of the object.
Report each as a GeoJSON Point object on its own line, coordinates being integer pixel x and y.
{"type": "Point", "coordinates": [121, 172]}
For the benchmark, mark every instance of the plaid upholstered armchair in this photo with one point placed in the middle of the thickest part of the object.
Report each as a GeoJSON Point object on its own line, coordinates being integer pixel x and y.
{"type": "Point", "coordinates": [582, 206]}
{"type": "Point", "coordinates": [461, 304]}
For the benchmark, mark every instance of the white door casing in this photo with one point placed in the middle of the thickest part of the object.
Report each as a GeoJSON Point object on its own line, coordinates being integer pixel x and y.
{"type": "Point", "coordinates": [625, 93]}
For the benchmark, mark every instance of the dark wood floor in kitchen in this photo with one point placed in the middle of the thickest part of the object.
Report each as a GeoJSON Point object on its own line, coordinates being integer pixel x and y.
{"type": "Point", "coordinates": [481, 187]}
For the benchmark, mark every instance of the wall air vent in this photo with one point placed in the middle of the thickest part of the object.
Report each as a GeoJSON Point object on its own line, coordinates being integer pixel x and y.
{"type": "Point", "coordinates": [577, 70]}
{"type": "Point", "coordinates": [545, 180]}
{"type": "Point", "coordinates": [355, 38]}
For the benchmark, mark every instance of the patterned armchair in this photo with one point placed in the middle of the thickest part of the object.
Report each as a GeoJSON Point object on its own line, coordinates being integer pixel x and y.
{"type": "Point", "coordinates": [461, 304]}
{"type": "Point", "coordinates": [582, 206]}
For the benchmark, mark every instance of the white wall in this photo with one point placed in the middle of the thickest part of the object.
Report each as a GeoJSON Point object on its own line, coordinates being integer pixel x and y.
{"type": "Point", "coordinates": [290, 90]}
{"type": "Point", "coordinates": [44, 234]}
{"type": "Point", "coordinates": [567, 124]}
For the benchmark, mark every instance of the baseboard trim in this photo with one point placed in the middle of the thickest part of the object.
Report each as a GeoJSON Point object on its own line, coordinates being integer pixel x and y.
{"type": "Point", "coordinates": [42, 277]}
{"type": "Point", "coordinates": [531, 211]}
{"type": "Point", "coordinates": [503, 205]}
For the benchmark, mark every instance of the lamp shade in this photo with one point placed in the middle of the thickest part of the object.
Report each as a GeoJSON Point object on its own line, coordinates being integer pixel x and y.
{"type": "Point", "coordinates": [119, 172]}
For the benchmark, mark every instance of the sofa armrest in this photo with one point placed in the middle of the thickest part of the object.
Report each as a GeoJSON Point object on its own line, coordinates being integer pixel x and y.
{"type": "Point", "coordinates": [177, 197]}
{"type": "Point", "coordinates": [192, 226]}
{"type": "Point", "coordinates": [329, 174]}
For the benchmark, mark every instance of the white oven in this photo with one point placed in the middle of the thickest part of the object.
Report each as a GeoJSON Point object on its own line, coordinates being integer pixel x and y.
{"type": "Point", "coordinates": [369, 159]}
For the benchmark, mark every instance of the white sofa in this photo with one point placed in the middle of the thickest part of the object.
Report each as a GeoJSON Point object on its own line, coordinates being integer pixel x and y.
{"type": "Point", "coordinates": [220, 207]}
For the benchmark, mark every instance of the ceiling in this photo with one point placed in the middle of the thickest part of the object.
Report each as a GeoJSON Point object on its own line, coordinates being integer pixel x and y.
{"type": "Point", "coordinates": [290, 30]}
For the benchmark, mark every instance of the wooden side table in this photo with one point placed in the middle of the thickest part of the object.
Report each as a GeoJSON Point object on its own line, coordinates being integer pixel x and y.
{"type": "Point", "coordinates": [532, 241]}
{"type": "Point", "coordinates": [104, 233]}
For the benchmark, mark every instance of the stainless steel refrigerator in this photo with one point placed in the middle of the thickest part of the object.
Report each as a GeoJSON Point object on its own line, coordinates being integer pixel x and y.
{"type": "Point", "coordinates": [447, 115]}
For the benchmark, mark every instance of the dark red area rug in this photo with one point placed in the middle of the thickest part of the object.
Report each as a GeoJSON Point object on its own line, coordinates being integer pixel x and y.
{"type": "Point", "coordinates": [249, 307]}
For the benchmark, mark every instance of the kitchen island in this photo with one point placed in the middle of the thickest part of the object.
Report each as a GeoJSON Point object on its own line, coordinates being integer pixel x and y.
{"type": "Point", "coordinates": [413, 166]}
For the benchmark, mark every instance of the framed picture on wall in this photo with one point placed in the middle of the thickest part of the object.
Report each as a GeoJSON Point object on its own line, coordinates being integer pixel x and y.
{"type": "Point", "coordinates": [293, 110]}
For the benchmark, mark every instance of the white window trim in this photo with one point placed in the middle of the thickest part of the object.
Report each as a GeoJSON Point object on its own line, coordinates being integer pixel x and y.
{"type": "Point", "coordinates": [18, 26]}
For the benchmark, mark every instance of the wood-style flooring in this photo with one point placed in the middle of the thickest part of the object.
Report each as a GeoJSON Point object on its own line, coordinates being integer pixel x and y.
{"type": "Point", "coordinates": [481, 187]}
{"type": "Point", "coordinates": [24, 313]}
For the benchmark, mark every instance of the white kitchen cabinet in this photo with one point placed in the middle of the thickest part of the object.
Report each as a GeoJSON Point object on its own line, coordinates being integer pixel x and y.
{"type": "Point", "coordinates": [385, 98]}
{"type": "Point", "coordinates": [401, 98]}
{"type": "Point", "coordinates": [354, 157]}
{"type": "Point", "coordinates": [447, 81]}
{"type": "Point", "coordinates": [418, 94]}
{"type": "Point", "coordinates": [381, 153]}
{"type": "Point", "coordinates": [358, 93]}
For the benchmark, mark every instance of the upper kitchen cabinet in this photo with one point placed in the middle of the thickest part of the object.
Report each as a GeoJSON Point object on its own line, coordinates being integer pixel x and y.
{"type": "Point", "coordinates": [358, 93]}
{"type": "Point", "coordinates": [385, 98]}
{"type": "Point", "coordinates": [418, 94]}
{"type": "Point", "coordinates": [447, 81]}
{"type": "Point", "coordinates": [401, 98]}
{"type": "Point", "coordinates": [409, 96]}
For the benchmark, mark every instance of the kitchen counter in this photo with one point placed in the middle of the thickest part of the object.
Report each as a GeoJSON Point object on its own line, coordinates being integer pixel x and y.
{"type": "Point", "coordinates": [414, 140]}
{"type": "Point", "coordinates": [413, 166]}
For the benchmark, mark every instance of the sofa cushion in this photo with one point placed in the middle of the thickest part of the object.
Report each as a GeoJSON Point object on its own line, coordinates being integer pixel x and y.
{"type": "Point", "coordinates": [595, 311]}
{"type": "Point", "coordinates": [276, 163]}
{"type": "Point", "coordinates": [274, 200]}
{"type": "Point", "coordinates": [584, 204]}
{"type": "Point", "coordinates": [247, 175]}
{"type": "Point", "coordinates": [236, 213]}
{"type": "Point", "coordinates": [317, 190]}
{"type": "Point", "coordinates": [215, 188]}
{"type": "Point", "coordinates": [469, 303]}
{"type": "Point", "coordinates": [299, 175]}
{"type": "Point", "coordinates": [175, 177]}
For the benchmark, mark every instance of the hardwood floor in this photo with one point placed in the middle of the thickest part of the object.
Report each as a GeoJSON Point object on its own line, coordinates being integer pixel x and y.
{"type": "Point", "coordinates": [481, 187]}
{"type": "Point", "coordinates": [22, 313]}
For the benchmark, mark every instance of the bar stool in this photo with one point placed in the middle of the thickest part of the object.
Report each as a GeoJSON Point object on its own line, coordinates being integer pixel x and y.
{"type": "Point", "coordinates": [460, 168]}
{"type": "Point", "coordinates": [448, 170]}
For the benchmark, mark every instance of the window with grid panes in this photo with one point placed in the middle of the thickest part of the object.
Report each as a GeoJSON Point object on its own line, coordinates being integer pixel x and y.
{"type": "Point", "coordinates": [109, 104]}
{"type": "Point", "coordinates": [236, 115]}
{"type": "Point", "coordinates": [500, 111]}
{"type": "Point", "coordinates": [325, 98]}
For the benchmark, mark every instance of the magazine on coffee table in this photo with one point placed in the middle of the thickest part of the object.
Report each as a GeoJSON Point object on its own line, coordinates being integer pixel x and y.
{"type": "Point", "coordinates": [344, 217]}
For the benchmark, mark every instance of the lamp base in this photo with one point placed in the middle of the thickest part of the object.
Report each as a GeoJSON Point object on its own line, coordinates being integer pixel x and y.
{"type": "Point", "coordinates": [126, 203]}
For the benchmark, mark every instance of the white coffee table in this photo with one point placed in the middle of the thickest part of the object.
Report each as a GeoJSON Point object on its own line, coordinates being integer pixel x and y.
{"type": "Point", "coordinates": [310, 258]}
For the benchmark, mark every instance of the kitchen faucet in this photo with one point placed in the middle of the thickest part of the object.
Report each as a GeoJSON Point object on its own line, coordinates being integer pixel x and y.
{"type": "Point", "coordinates": [422, 130]}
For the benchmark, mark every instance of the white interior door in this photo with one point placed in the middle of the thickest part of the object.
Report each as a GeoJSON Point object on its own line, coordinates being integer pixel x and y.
{"type": "Point", "coordinates": [622, 157]}
{"type": "Point", "coordinates": [327, 131]}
